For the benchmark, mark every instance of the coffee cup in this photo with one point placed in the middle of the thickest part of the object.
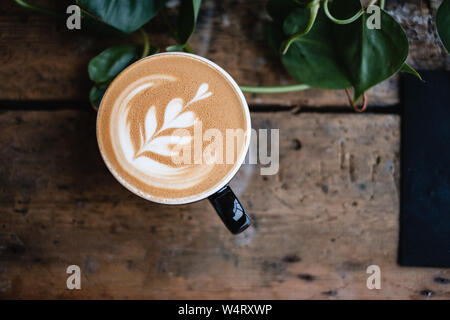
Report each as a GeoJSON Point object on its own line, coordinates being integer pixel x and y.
{"type": "Point", "coordinates": [164, 127]}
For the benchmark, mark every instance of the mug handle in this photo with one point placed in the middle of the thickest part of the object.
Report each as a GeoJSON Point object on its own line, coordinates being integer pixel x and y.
{"type": "Point", "coordinates": [230, 210]}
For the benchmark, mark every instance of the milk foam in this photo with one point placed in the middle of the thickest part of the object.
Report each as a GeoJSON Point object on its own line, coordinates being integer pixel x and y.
{"type": "Point", "coordinates": [141, 161]}
{"type": "Point", "coordinates": [150, 113]}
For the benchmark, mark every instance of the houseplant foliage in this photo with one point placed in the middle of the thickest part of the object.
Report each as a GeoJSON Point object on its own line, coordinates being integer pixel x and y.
{"type": "Point", "coordinates": [333, 55]}
{"type": "Point", "coordinates": [321, 43]}
{"type": "Point", "coordinates": [443, 23]}
{"type": "Point", "coordinates": [119, 18]}
{"type": "Point", "coordinates": [333, 46]}
{"type": "Point", "coordinates": [126, 16]}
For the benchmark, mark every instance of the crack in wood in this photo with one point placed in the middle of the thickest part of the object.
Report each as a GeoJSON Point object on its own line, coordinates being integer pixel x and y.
{"type": "Point", "coordinates": [58, 105]}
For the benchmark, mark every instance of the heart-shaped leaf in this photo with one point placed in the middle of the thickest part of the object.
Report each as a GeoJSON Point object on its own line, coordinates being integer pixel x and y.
{"type": "Point", "coordinates": [187, 19]}
{"type": "Point", "coordinates": [109, 63]}
{"type": "Point", "coordinates": [296, 21]}
{"type": "Point", "coordinates": [173, 108]}
{"type": "Point", "coordinates": [313, 58]}
{"type": "Point", "coordinates": [280, 9]}
{"type": "Point", "coordinates": [202, 93]}
{"type": "Point", "coordinates": [124, 15]}
{"type": "Point", "coordinates": [333, 56]}
{"type": "Point", "coordinates": [370, 56]}
{"type": "Point", "coordinates": [443, 23]}
{"type": "Point", "coordinates": [96, 95]}
{"type": "Point", "coordinates": [98, 27]}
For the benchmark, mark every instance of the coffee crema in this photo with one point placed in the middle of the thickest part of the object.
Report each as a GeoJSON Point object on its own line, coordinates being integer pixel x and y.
{"type": "Point", "coordinates": [153, 112]}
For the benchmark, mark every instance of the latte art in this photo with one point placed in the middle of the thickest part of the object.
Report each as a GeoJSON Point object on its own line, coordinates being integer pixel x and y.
{"type": "Point", "coordinates": [175, 116]}
{"type": "Point", "coordinates": [141, 158]}
{"type": "Point", "coordinates": [143, 112]}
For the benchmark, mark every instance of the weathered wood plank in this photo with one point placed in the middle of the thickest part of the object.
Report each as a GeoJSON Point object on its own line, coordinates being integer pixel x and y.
{"type": "Point", "coordinates": [41, 60]}
{"type": "Point", "coordinates": [331, 211]}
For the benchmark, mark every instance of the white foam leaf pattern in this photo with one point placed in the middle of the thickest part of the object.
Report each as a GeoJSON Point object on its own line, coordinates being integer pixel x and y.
{"type": "Point", "coordinates": [174, 117]}
{"type": "Point", "coordinates": [201, 90]}
{"type": "Point", "coordinates": [163, 145]}
{"type": "Point", "coordinates": [202, 93]}
{"type": "Point", "coordinates": [142, 135]}
{"type": "Point", "coordinates": [150, 124]}
{"type": "Point", "coordinates": [184, 120]}
{"type": "Point", "coordinates": [140, 160]}
{"type": "Point", "coordinates": [173, 108]}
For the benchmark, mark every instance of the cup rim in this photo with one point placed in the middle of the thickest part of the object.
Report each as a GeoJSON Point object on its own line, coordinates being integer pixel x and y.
{"type": "Point", "coordinates": [231, 173]}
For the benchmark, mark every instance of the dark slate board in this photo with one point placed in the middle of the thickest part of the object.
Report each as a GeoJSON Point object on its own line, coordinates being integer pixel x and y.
{"type": "Point", "coordinates": [425, 180]}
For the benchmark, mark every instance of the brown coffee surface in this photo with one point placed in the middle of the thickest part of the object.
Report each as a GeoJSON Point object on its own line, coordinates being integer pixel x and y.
{"type": "Point", "coordinates": [161, 105]}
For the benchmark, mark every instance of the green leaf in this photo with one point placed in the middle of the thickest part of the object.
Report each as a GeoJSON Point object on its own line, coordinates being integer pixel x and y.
{"type": "Point", "coordinates": [333, 56]}
{"type": "Point", "coordinates": [109, 63]}
{"type": "Point", "coordinates": [274, 35]}
{"type": "Point", "coordinates": [306, 22]}
{"type": "Point", "coordinates": [443, 23]}
{"type": "Point", "coordinates": [280, 9]}
{"type": "Point", "coordinates": [124, 15]}
{"type": "Point", "coordinates": [296, 21]}
{"type": "Point", "coordinates": [370, 56]}
{"type": "Point", "coordinates": [175, 47]}
{"type": "Point", "coordinates": [312, 59]}
{"type": "Point", "coordinates": [187, 19]}
{"type": "Point", "coordinates": [96, 26]}
{"type": "Point", "coordinates": [407, 68]}
{"type": "Point", "coordinates": [96, 95]}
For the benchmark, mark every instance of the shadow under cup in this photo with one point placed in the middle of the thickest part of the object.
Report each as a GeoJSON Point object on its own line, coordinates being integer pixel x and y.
{"type": "Point", "coordinates": [222, 198]}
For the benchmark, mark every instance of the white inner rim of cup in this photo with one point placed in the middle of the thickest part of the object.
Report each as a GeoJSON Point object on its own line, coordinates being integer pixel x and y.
{"type": "Point", "coordinates": [229, 175]}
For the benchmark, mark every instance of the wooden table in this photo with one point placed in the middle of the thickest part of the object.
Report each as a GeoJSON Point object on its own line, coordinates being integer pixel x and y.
{"type": "Point", "coordinates": [330, 212]}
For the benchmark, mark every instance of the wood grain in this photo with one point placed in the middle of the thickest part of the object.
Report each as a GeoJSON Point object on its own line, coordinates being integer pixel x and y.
{"type": "Point", "coordinates": [42, 60]}
{"type": "Point", "coordinates": [331, 211]}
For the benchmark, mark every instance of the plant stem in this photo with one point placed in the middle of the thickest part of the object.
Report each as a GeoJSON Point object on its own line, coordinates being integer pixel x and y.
{"type": "Point", "coordinates": [188, 49]}
{"type": "Point", "coordinates": [353, 102]}
{"type": "Point", "coordinates": [169, 25]}
{"type": "Point", "coordinates": [277, 89]}
{"type": "Point", "coordinates": [173, 31]}
{"type": "Point", "coordinates": [146, 41]}
{"type": "Point", "coordinates": [382, 4]}
{"type": "Point", "coordinates": [315, 5]}
{"type": "Point", "coordinates": [339, 21]}
{"type": "Point", "coordinates": [39, 9]}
